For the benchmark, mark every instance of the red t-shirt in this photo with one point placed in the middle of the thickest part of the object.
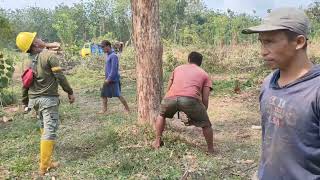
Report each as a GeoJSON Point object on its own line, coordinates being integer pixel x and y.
{"type": "Point", "coordinates": [188, 80]}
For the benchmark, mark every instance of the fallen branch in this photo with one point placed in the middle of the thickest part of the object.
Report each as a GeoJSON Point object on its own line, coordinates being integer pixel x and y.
{"type": "Point", "coordinates": [251, 167]}
{"type": "Point", "coordinates": [177, 125]}
{"type": "Point", "coordinates": [185, 175]}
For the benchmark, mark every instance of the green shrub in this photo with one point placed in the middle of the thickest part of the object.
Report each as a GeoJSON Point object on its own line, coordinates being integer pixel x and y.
{"type": "Point", "coordinates": [315, 59]}
{"type": "Point", "coordinates": [6, 70]}
{"type": "Point", "coordinates": [170, 62]}
{"type": "Point", "coordinates": [7, 97]}
{"type": "Point", "coordinates": [127, 58]}
{"type": "Point", "coordinates": [211, 62]}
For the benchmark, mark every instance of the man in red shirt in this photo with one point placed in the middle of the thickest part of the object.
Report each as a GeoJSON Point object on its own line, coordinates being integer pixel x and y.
{"type": "Point", "coordinates": [188, 91]}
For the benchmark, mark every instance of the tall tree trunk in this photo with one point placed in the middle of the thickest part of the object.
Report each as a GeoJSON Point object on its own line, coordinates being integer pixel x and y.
{"type": "Point", "coordinates": [100, 29]}
{"type": "Point", "coordinates": [147, 41]}
{"type": "Point", "coordinates": [84, 35]}
{"type": "Point", "coordinates": [175, 31]}
{"type": "Point", "coordinates": [103, 26]}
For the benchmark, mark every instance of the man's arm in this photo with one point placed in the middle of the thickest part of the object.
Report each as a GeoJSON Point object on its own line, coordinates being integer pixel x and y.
{"type": "Point", "coordinates": [207, 87]}
{"type": "Point", "coordinates": [25, 97]}
{"type": "Point", "coordinates": [205, 96]}
{"type": "Point", "coordinates": [170, 82]}
{"type": "Point", "coordinates": [62, 80]}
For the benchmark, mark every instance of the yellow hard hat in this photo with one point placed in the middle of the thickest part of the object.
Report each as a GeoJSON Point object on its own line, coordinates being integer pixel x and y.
{"type": "Point", "coordinates": [24, 40]}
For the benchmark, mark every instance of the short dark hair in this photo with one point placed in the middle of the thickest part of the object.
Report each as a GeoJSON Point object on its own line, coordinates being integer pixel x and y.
{"type": "Point", "coordinates": [291, 36]}
{"type": "Point", "coordinates": [105, 43]}
{"type": "Point", "coordinates": [195, 58]}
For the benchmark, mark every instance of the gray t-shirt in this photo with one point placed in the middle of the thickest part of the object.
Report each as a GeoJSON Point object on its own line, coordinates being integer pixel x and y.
{"type": "Point", "coordinates": [290, 128]}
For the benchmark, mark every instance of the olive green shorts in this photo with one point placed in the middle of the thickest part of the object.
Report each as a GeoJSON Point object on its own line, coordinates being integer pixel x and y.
{"type": "Point", "coordinates": [193, 108]}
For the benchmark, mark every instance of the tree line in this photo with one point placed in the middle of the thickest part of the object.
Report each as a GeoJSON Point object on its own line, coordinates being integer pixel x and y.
{"type": "Point", "coordinates": [182, 22]}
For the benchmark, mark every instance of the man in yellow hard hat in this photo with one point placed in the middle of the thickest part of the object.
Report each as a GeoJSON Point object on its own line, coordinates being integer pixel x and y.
{"type": "Point", "coordinates": [43, 92]}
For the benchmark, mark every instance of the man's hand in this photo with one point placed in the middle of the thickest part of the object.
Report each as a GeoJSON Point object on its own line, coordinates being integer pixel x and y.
{"type": "Point", "coordinates": [26, 109]}
{"type": "Point", "coordinates": [106, 82]}
{"type": "Point", "coordinates": [71, 99]}
{"type": "Point", "coordinates": [53, 46]}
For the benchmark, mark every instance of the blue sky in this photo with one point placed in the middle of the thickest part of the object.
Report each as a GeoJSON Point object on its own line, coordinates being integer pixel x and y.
{"type": "Point", "coordinates": [260, 6]}
{"type": "Point", "coordinates": [13, 4]}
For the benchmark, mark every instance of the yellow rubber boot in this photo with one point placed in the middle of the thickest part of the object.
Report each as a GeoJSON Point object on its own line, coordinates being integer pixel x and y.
{"type": "Point", "coordinates": [46, 151]}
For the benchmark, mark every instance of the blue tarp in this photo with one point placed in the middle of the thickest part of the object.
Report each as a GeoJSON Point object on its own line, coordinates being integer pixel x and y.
{"type": "Point", "coordinates": [96, 49]}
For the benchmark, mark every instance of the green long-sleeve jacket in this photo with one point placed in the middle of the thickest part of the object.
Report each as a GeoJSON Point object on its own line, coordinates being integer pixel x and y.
{"type": "Point", "coordinates": [48, 75]}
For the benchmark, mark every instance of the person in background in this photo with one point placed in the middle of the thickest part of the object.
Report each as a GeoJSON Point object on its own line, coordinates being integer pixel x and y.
{"type": "Point", "coordinates": [112, 85]}
{"type": "Point", "coordinates": [118, 47]}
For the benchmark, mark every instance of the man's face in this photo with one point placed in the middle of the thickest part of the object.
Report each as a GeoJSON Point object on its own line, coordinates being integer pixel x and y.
{"type": "Point", "coordinates": [276, 50]}
{"type": "Point", "coordinates": [106, 49]}
{"type": "Point", "coordinates": [117, 45]}
{"type": "Point", "coordinates": [37, 45]}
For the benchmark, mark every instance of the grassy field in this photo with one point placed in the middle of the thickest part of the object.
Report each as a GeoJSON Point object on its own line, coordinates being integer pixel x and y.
{"type": "Point", "coordinates": [114, 146]}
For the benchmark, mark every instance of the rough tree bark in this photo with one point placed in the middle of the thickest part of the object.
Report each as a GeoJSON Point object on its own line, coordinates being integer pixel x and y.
{"type": "Point", "coordinates": [148, 48]}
